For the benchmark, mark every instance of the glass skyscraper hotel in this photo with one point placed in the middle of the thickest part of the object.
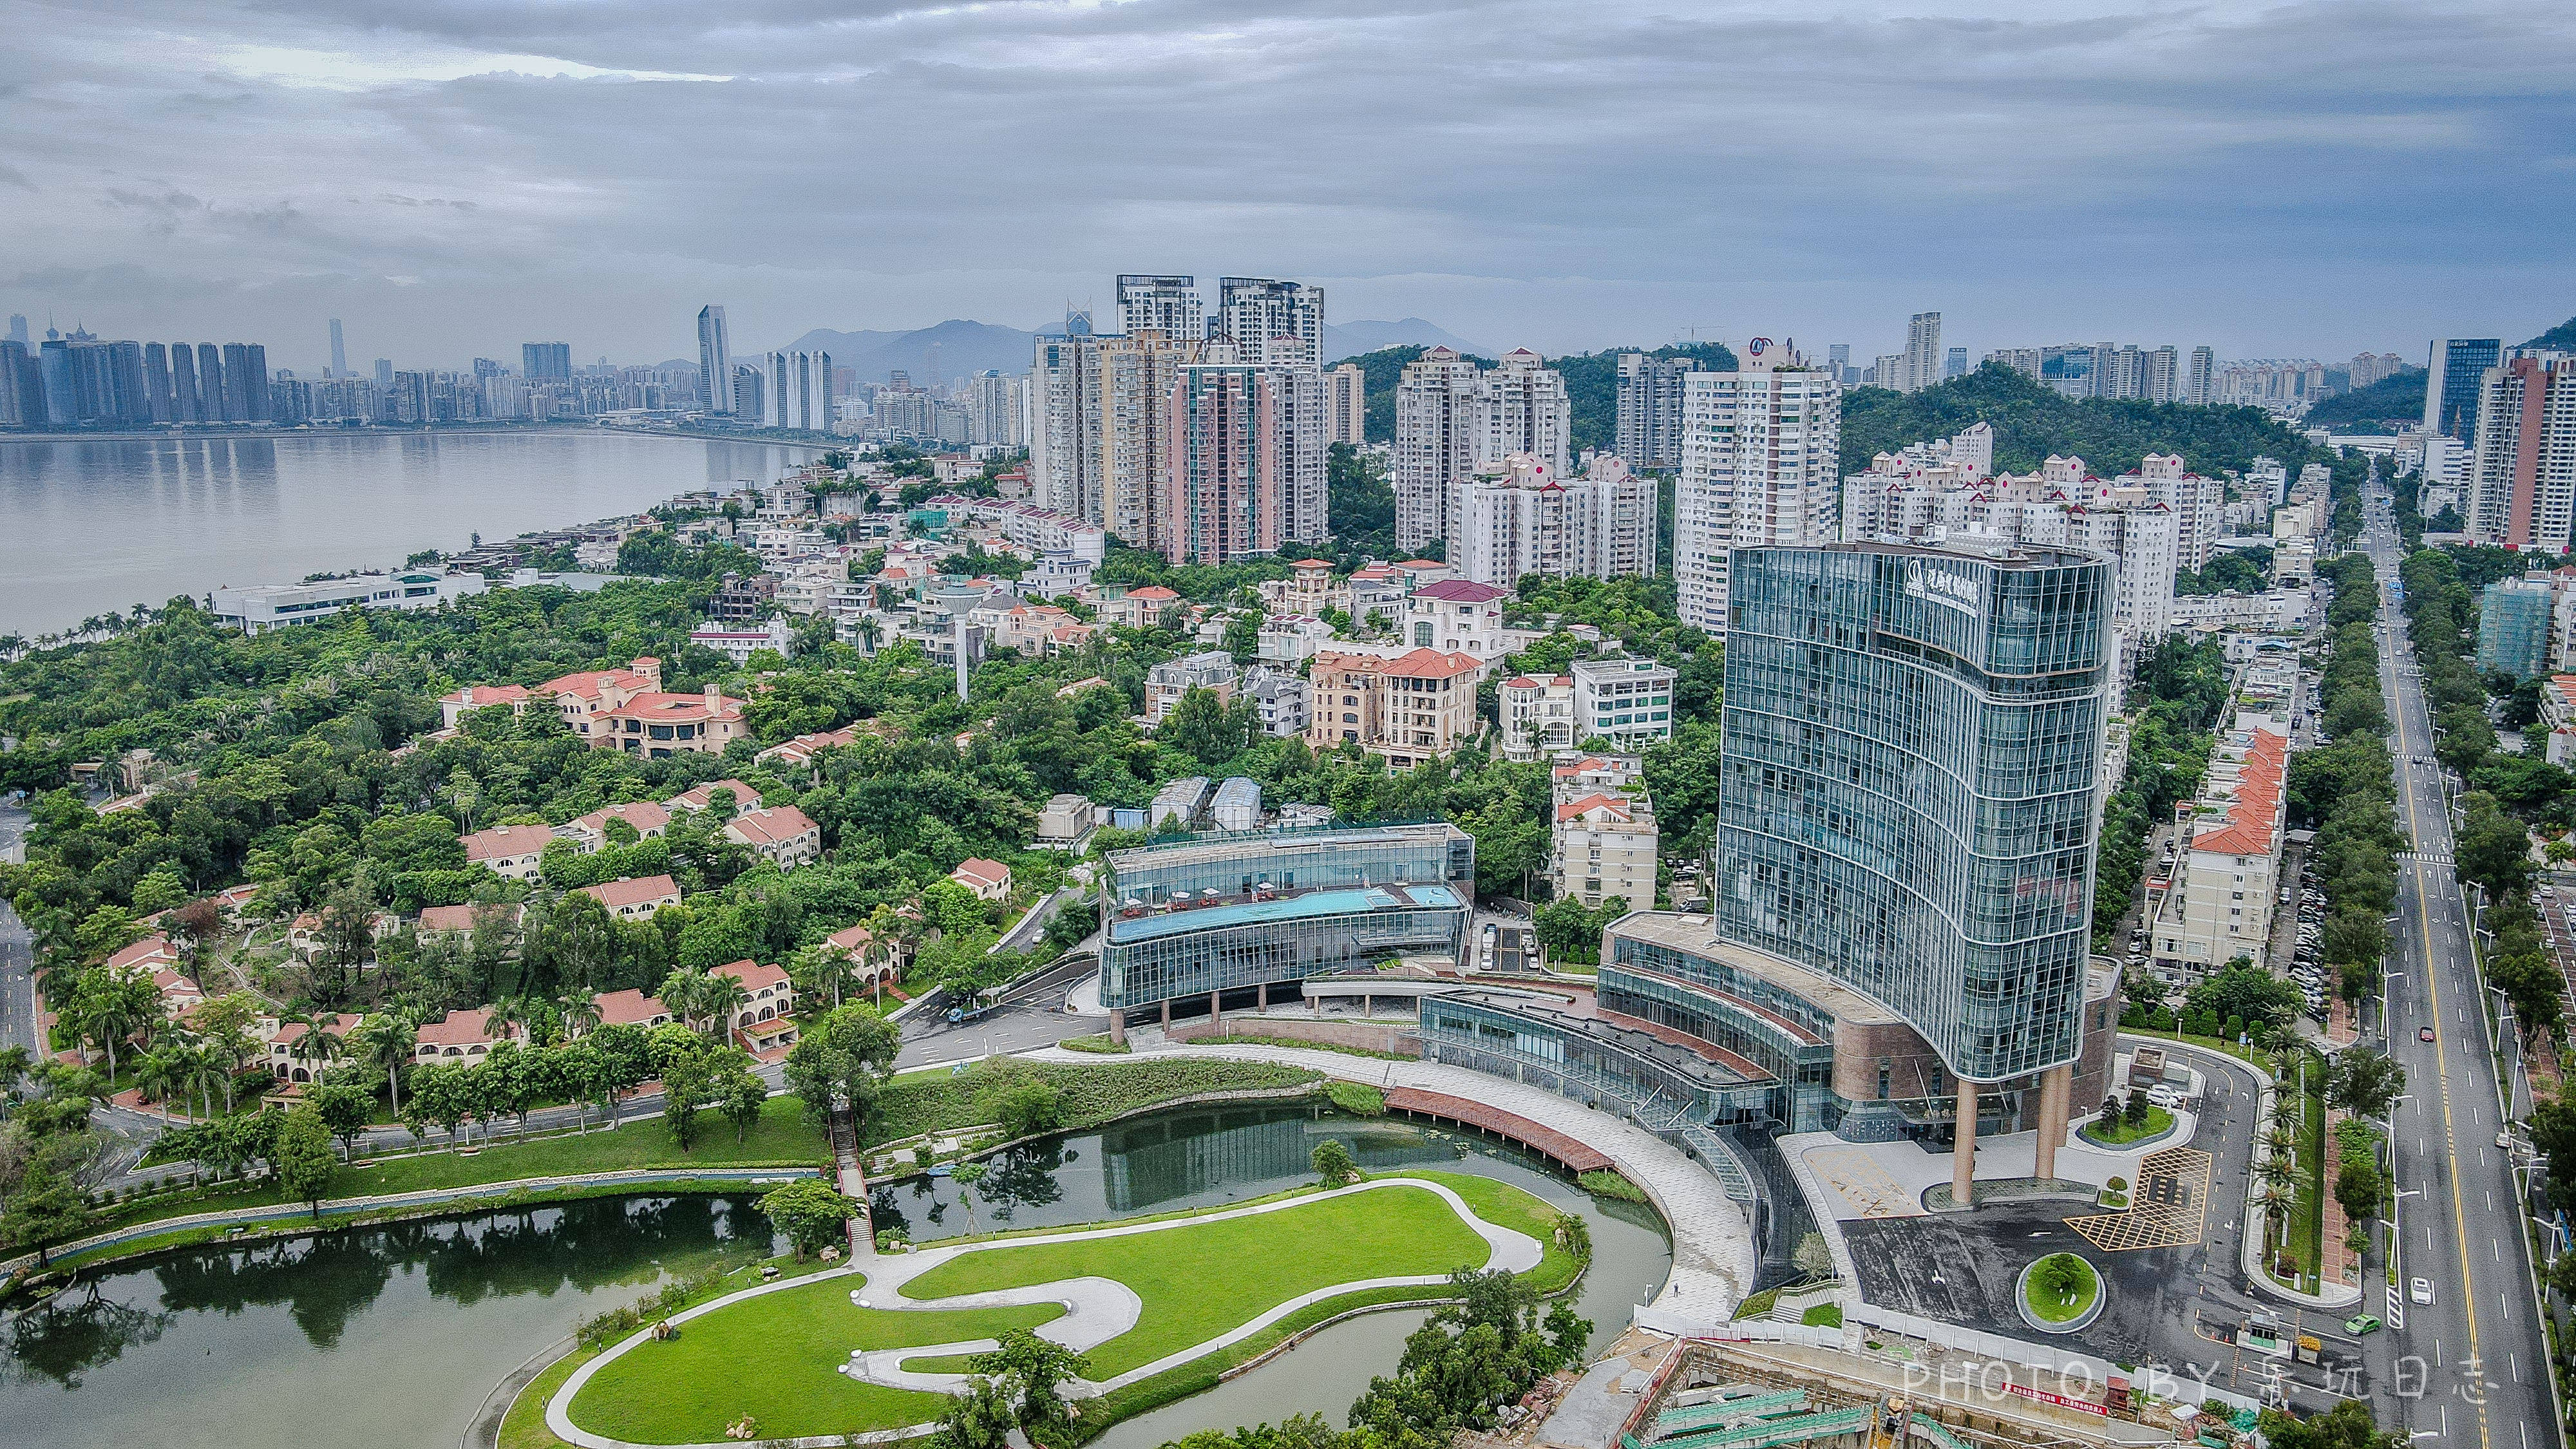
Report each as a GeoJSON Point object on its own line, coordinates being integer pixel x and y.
{"type": "Point", "coordinates": [1898, 945]}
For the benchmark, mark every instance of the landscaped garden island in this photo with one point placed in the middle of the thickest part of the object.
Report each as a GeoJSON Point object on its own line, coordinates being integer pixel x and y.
{"type": "Point", "coordinates": [873, 1347]}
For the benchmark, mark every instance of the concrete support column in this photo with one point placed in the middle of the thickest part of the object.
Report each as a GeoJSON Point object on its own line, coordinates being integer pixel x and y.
{"type": "Point", "coordinates": [1261, 997]}
{"type": "Point", "coordinates": [1167, 1014]}
{"type": "Point", "coordinates": [1368, 1005]}
{"type": "Point", "coordinates": [1963, 1159]}
{"type": "Point", "coordinates": [1118, 1028]}
{"type": "Point", "coordinates": [2054, 1089]}
{"type": "Point", "coordinates": [1216, 1010]}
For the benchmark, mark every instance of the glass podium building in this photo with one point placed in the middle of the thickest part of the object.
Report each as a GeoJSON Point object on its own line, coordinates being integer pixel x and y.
{"type": "Point", "coordinates": [1191, 920]}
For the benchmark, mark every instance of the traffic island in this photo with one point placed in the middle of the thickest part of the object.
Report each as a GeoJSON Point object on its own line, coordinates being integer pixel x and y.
{"type": "Point", "coordinates": [2060, 1293]}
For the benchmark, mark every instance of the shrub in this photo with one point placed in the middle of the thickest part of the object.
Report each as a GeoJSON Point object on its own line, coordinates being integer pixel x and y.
{"type": "Point", "coordinates": [1605, 1183]}
{"type": "Point", "coordinates": [1333, 1162]}
{"type": "Point", "coordinates": [1357, 1098]}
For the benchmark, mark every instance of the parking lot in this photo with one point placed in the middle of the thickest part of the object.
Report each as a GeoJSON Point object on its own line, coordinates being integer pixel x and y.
{"type": "Point", "coordinates": [2177, 1289]}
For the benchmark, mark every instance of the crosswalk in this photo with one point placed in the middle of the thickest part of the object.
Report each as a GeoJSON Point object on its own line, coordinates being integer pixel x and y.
{"type": "Point", "coordinates": [2425, 857]}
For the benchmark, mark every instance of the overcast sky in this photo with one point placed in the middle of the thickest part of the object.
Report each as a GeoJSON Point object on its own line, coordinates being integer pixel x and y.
{"type": "Point", "coordinates": [454, 178]}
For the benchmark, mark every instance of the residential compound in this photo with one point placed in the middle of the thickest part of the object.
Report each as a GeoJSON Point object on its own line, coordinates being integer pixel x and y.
{"type": "Point", "coordinates": [1602, 836]}
{"type": "Point", "coordinates": [1201, 438]}
{"type": "Point", "coordinates": [1761, 455]}
{"type": "Point", "coordinates": [2151, 524]}
{"type": "Point", "coordinates": [2227, 870]}
{"type": "Point", "coordinates": [623, 709]}
{"type": "Point", "coordinates": [1221, 923]}
{"type": "Point", "coordinates": [1453, 417]}
{"type": "Point", "coordinates": [1903, 864]}
{"type": "Point", "coordinates": [2522, 462]}
{"type": "Point", "coordinates": [1514, 517]}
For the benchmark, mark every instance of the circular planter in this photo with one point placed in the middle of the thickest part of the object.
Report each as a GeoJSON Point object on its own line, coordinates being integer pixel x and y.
{"type": "Point", "coordinates": [2081, 1321]}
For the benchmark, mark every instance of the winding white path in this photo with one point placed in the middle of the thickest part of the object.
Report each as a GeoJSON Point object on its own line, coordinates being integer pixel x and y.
{"type": "Point", "coordinates": [1096, 1309]}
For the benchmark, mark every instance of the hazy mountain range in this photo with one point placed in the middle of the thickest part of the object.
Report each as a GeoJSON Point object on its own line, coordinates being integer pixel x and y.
{"type": "Point", "coordinates": [960, 348]}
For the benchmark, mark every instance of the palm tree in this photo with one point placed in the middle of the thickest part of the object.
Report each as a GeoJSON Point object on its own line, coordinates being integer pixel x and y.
{"type": "Point", "coordinates": [387, 1041]}
{"type": "Point", "coordinates": [870, 631]}
{"type": "Point", "coordinates": [160, 1072]}
{"type": "Point", "coordinates": [514, 1011]}
{"type": "Point", "coordinates": [721, 997]}
{"type": "Point", "coordinates": [209, 1067]}
{"type": "Point", "coordinates": [580, 1012]}
{"type": "Point", "coordinates": [683, 992]}
{"type": "Point", "coordinates": [318, 1043]}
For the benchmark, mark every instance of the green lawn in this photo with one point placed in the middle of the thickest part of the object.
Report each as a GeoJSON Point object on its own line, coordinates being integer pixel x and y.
{"type": "Point", "coordinates": [2054, 1308]}
{"type": "Point", "coordinates": [2308, 1203]}
{"type": "Point", "coordinates": [777, 1357]}
{"type": "Point", "coordinates": [2120, 1133]}
{"type": "Point", "coordinates": [1201, 1279]}
{"type": "Point", "coordinates": [782, 1138]}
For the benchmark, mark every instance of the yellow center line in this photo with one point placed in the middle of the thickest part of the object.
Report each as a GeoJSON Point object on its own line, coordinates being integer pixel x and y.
{"type": "Point", "coordinates": [2441, 1058]}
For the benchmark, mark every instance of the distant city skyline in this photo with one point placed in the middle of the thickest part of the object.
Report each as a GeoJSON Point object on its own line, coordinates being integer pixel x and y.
{"type": "Point", "coordinates": [440, 180]}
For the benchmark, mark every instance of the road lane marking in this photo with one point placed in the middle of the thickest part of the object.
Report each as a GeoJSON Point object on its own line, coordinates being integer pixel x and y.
{"type": "Point", "coordinates": [2441, 1062]}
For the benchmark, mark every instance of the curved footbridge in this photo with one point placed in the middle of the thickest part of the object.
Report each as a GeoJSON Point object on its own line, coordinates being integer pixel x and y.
{"type": "Point", "coordinates": [1715, 1260]}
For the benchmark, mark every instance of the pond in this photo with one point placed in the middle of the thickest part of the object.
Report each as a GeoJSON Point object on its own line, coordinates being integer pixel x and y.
{"type": "Point", "coordinates": [390, 1337]}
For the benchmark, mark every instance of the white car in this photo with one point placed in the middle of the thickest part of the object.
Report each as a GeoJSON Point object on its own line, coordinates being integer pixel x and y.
{"type": "Point", "coordinates": [2419, 1290]}
{"type": "Point", "coordinates": [2166, 1097]}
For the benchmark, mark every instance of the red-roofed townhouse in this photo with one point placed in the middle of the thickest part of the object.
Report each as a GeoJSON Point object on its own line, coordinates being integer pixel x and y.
{"type": "Point", "coordinates": [462, 1037]}
{"type": "Point", "coordinates": [990, 880]}
{"type": "Point", "coordinates": [801, 752]}
{"type": "Point", "coordinates": [765, 1018]}
{"type": "Point", "coordinates": [1604, 847]}
{"type": "Point", "coordinates": [589, 833]}
{"type": "Point", "coordinates": [512, 851]}
{"type": "Point", "coordinates": [872, 961]}
{"type": "Point", "coordinates": [631, 1008]}
{"type": "Point", "coordinates": [1538, 715]}
{"type": "Point", "coordinates": [459, 920]}
{"type": "Point", "coordinates": [780, 834]}
{"type": "Point", "coordinates": [1457, 616]}
{"type": "Point", "coordinates": [288, 1064]}
{"type": "Point", "coordinates": [702, 797]}
{"type": "Point", "coordinates": [658, 726]}
{"type": "Point", "coordinates": [637, 897]}
{"type": "Point", "coordinates": [582, 699]}
{"type": "Point", "coordinates": [458, 703]}
{"type": "Point", "coordinates": [2228, 878]}
{"type": "Point", "coordinates": [1408, 709]}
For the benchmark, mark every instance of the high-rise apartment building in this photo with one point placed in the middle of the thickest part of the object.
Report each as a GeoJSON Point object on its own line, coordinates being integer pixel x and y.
{"type": "Point", "coordinates": [1920, 365]}
{"type": "Point", "coordinates": [997, 408]}
{"type": "Point", "coordinates": [2456, 371]}
{"type": "Point", "coordinates": [545, 361]}
{"type": "Point", "coordinates": [156, 383]}
{"type": "Point", "coordinates": [2522, 475]}
{"type": "Point", "coordinates": [750, 390]}
{"type": "Point", "coordinates": [1270, 321]}
{"type": "Point", "coordinates": [212, 394]}
{"type": "Point", "coordinates": [1955, 363]}
{"type": "Point", "coordinates": [2200, 385]}
{"type": "Point", "coordinates": [799, 391]}
{"type": "Point", "coordinates": [1761, 461]}
{"type": "Point", "coordinates": [1168, 305]}
{"type": "Point", "coordinates": [384, 372]}
{"type": "Point", "coordinates": [1064, 421]}
{"type": "Point", "coordinates": [339, 351]}
{"type": "Point", "coordinates": [245, 382]}
{"type": "Point", "coordinates": [1649, 429]}
{"type": "Point", "coordinates": [2369, 367]}
{"type": "Point", "coordinates": [715, 361]}
{"type": "Point", "coordinates": [1346, 403]}
{"type": "Point", "coordinates": [1244, 470]}
{"type": "Point", "coordinates": [1452, 417]}
{"type": "Point", "coordinates": [1136, 378]}
{"type": "Point", "coordinates": [1516, 517]}
{"type": "Point", "coordinates": [22, 386]}
{"type": "Point", "coordinates": [1435, 442]}
{"type": "Point", "coordinates": [18, 332]}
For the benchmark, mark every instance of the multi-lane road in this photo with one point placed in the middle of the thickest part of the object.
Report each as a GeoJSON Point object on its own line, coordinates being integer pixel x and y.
{"type": "Point", "coordinates": [2471, 1366]}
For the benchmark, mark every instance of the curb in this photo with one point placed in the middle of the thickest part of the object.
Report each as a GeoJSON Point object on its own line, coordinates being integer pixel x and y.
{"type": "Point", "coordinates": [2077, 1324]}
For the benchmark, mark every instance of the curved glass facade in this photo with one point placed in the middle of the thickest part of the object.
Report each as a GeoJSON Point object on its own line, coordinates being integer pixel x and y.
{"type": "Point", "coordinates": [1911, 739]}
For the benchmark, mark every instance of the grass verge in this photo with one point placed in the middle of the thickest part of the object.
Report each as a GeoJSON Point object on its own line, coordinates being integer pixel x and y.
{"type": "Point", "coordinates": [2120, 1133]}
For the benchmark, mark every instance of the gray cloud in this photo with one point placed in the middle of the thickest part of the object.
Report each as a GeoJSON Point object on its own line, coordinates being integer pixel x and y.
{"type": "Point", "coordinates": [2310, 177]}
